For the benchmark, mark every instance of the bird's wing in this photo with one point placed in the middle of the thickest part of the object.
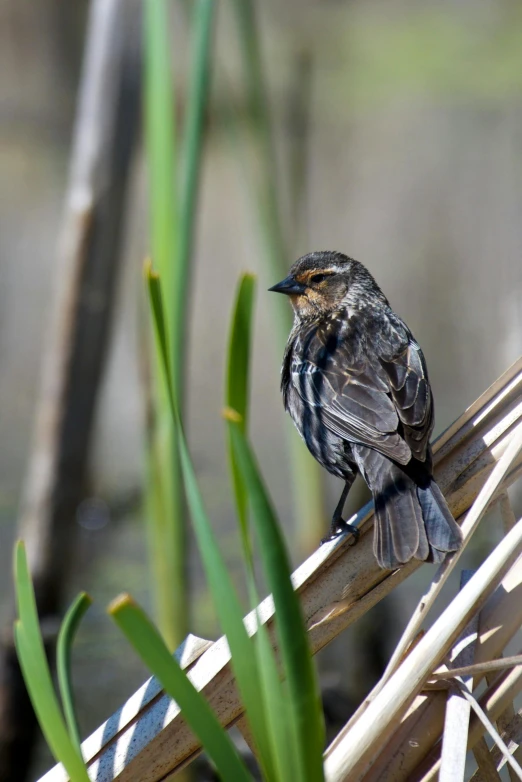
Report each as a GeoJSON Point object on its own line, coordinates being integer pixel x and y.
{"type": "Point", "coordinates": [411, 394]}
{"type": "Point", "coordinates": [385, 405]}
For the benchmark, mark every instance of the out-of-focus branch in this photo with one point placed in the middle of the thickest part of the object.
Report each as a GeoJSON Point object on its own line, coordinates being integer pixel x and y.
{"type": "Point", "coordinates": [89, 251]}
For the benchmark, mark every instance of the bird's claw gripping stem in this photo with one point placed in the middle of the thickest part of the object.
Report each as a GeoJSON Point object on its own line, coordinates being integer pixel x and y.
{"type": "Point", "coordinates": [339, 527]}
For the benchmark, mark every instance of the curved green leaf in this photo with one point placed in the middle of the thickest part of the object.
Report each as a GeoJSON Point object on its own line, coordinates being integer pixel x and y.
{"type": "Point", "coordinates": [33, 662]}
{"type": "Point", "coordinates": [148, 643]}
{"type": "Point", "coordinates": [223, 593]}
{"type": "Point", "coordinates": [66, 636]}
{"type": "Point", "coordinates": [237, 388]}
{"type": "Point", "coordinates": [304, 699]}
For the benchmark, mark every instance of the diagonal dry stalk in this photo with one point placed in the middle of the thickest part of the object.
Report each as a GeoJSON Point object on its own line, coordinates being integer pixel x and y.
{"type": "Point", "coordinates": [413, 751]}
{"type": "Point", "coordinates": [355, 749]}
{"type": "Point", "coordinates": [492, 764]}
{"type": "Point", "coordinates": [458, 710]}
{"type": "Point", "coordinates": [482, 716]}
{"type": "Point", "coordinates": [347, 756]}
{"type": "Point", "coordinates": [494, 702]}
{"type": "Point", "coordinates": [148, 740]}
{"type": "Point", "coordinates": [474, 669]}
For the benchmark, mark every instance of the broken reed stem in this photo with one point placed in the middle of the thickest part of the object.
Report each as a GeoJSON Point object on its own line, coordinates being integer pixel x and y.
{"type": "Point", "coordinates": [500, 620]}
{"type": "Point", "coordinates": [479, 668]}
{"type": "Point", "coordinates": [482, 716]}
{"type": "Point", "coordinates": [469, 526]}
{"type": "Point", "coordinates": [353, 752]}
{"type": "Point", "coordinates": [487, 768]}
{"type": "Point", "coordinates": [458, 710]}
{"type": "Point", "coordinates": [493, 702]}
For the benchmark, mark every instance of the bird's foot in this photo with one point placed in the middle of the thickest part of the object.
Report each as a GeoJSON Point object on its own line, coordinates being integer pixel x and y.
{"type": "Point", "coordinates": [339, 527]}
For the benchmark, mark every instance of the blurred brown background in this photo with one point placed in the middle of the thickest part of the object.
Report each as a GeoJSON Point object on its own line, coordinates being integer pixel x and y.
{"type": "Point", "coordinates": [413, 132]}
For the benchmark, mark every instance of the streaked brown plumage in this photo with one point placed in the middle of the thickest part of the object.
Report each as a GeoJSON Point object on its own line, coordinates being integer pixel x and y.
{"type": "Point", "coordinates": [355, 383]}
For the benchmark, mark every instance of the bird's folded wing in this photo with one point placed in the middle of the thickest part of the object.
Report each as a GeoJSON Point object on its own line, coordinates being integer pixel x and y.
{"type": "Point", "coordinates": [411, 394]}
{"type": "Point", "coordinates": [389, 410]}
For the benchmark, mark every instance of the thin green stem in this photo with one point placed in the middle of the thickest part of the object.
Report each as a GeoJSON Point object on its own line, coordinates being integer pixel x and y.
{"type": "Point", "coordinates": [193, 136]}
{"type": "Point", "coordinates": [172, 230]}
{"type": "Point", "coordinates": [66, 636]}
{"type": "Point", "coordinates": [167, 534]}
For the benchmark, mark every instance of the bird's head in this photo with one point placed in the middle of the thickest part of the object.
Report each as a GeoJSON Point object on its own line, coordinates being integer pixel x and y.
{"type": "Point", "coordinates": [321, 282]}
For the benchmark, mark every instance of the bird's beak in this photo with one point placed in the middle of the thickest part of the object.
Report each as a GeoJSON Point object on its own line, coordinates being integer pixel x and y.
{"type": "Point", "coordinates": [289, 286]}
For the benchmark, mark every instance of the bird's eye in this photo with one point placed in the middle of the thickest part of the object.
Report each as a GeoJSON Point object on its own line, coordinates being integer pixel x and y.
{"type": "Point", "coordinates": [318, 277]}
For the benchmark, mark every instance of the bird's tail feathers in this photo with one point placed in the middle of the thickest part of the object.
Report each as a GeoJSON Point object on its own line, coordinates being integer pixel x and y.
{"type": "Point", "coordinates": [444, 534]}
{"type": "Point", "coordinates": [410, 521]}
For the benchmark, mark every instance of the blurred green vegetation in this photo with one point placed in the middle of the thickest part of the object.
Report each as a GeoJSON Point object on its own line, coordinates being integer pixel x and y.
{"type": "Point", "coordinates": [173, 191]}
{"type": "Point", "coordinates": [383, 55]}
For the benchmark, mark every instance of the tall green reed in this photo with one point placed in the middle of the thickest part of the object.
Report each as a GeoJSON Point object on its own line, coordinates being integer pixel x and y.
{"type": "Point", "coordinates": [173, 188]}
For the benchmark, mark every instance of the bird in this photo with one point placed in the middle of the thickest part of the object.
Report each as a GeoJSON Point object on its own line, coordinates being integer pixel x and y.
{"type": "Point", "coordinates": [355, 383]}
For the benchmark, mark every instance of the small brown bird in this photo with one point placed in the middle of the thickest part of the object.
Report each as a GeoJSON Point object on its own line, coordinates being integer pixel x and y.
{"type": "Point", "coordinates": [355, 383]}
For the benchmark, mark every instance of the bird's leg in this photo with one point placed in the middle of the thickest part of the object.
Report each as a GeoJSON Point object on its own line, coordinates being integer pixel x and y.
{"type": "Point", "coordinates": [339, 525]}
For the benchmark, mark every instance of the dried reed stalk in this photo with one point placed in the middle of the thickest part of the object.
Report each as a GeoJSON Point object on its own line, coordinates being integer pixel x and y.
{"type": "Point", "coordinates": [486, 767]}
{"type": "Point", "coordinates": [493, 702]}
{"type": "Point", "coordinates": [486, 722]}
{"type": "Point", "coordinates": [458, 710]}
{"type": "Point", "coordinates": [354, 751]}
{"type": "Point", "coordinates": [494, 762]}
{"type": "Point", "coordinates": [412, 749]}
{"type": "Point", "coordinates": [337, 585]}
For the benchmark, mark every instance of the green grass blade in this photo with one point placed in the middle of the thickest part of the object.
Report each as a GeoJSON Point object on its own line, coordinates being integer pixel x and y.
{"type": "Point", "coordinates": [66, 636]}
{"type": "Point", "coordinates": [237, 388]}
{"type": "Point", "coordinates": [169, 614]}
{"type": "Point", "coordinates": [37, 677]}
{"type": "Point", "coordinates": [165, 499]}
{"type": "Point", "coordinates": [230, 615]}
{"type": "Point", "coordinates": [284, 750]}
{"type": "Point", "coordinates": [199, 88]}
{"type": "Point", "coordinates": [223, 593]}
{"type": "Point", "coordinates": [239, 347]}
{"type": "Point", "coordinates": [148, 643]}
{"type": "Point", "coordinates": [25, 600]}
{"type": "Point", "coordinates": [166, 533]}
{"type": "Point", "coordinates": [295, 652]}
{"type": "Point", "coordinates": [165, 502]}
{"type": "Point", "coordinates": [281, 744]}
{"type": "Point", "coordinates": [152, 278]}
{"type": "Point", "coordinates": [169, 561]}
{"type": "Point", "coordinates": [236, 399]}
{"type": "Point", "coordinates": [160, 138]}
